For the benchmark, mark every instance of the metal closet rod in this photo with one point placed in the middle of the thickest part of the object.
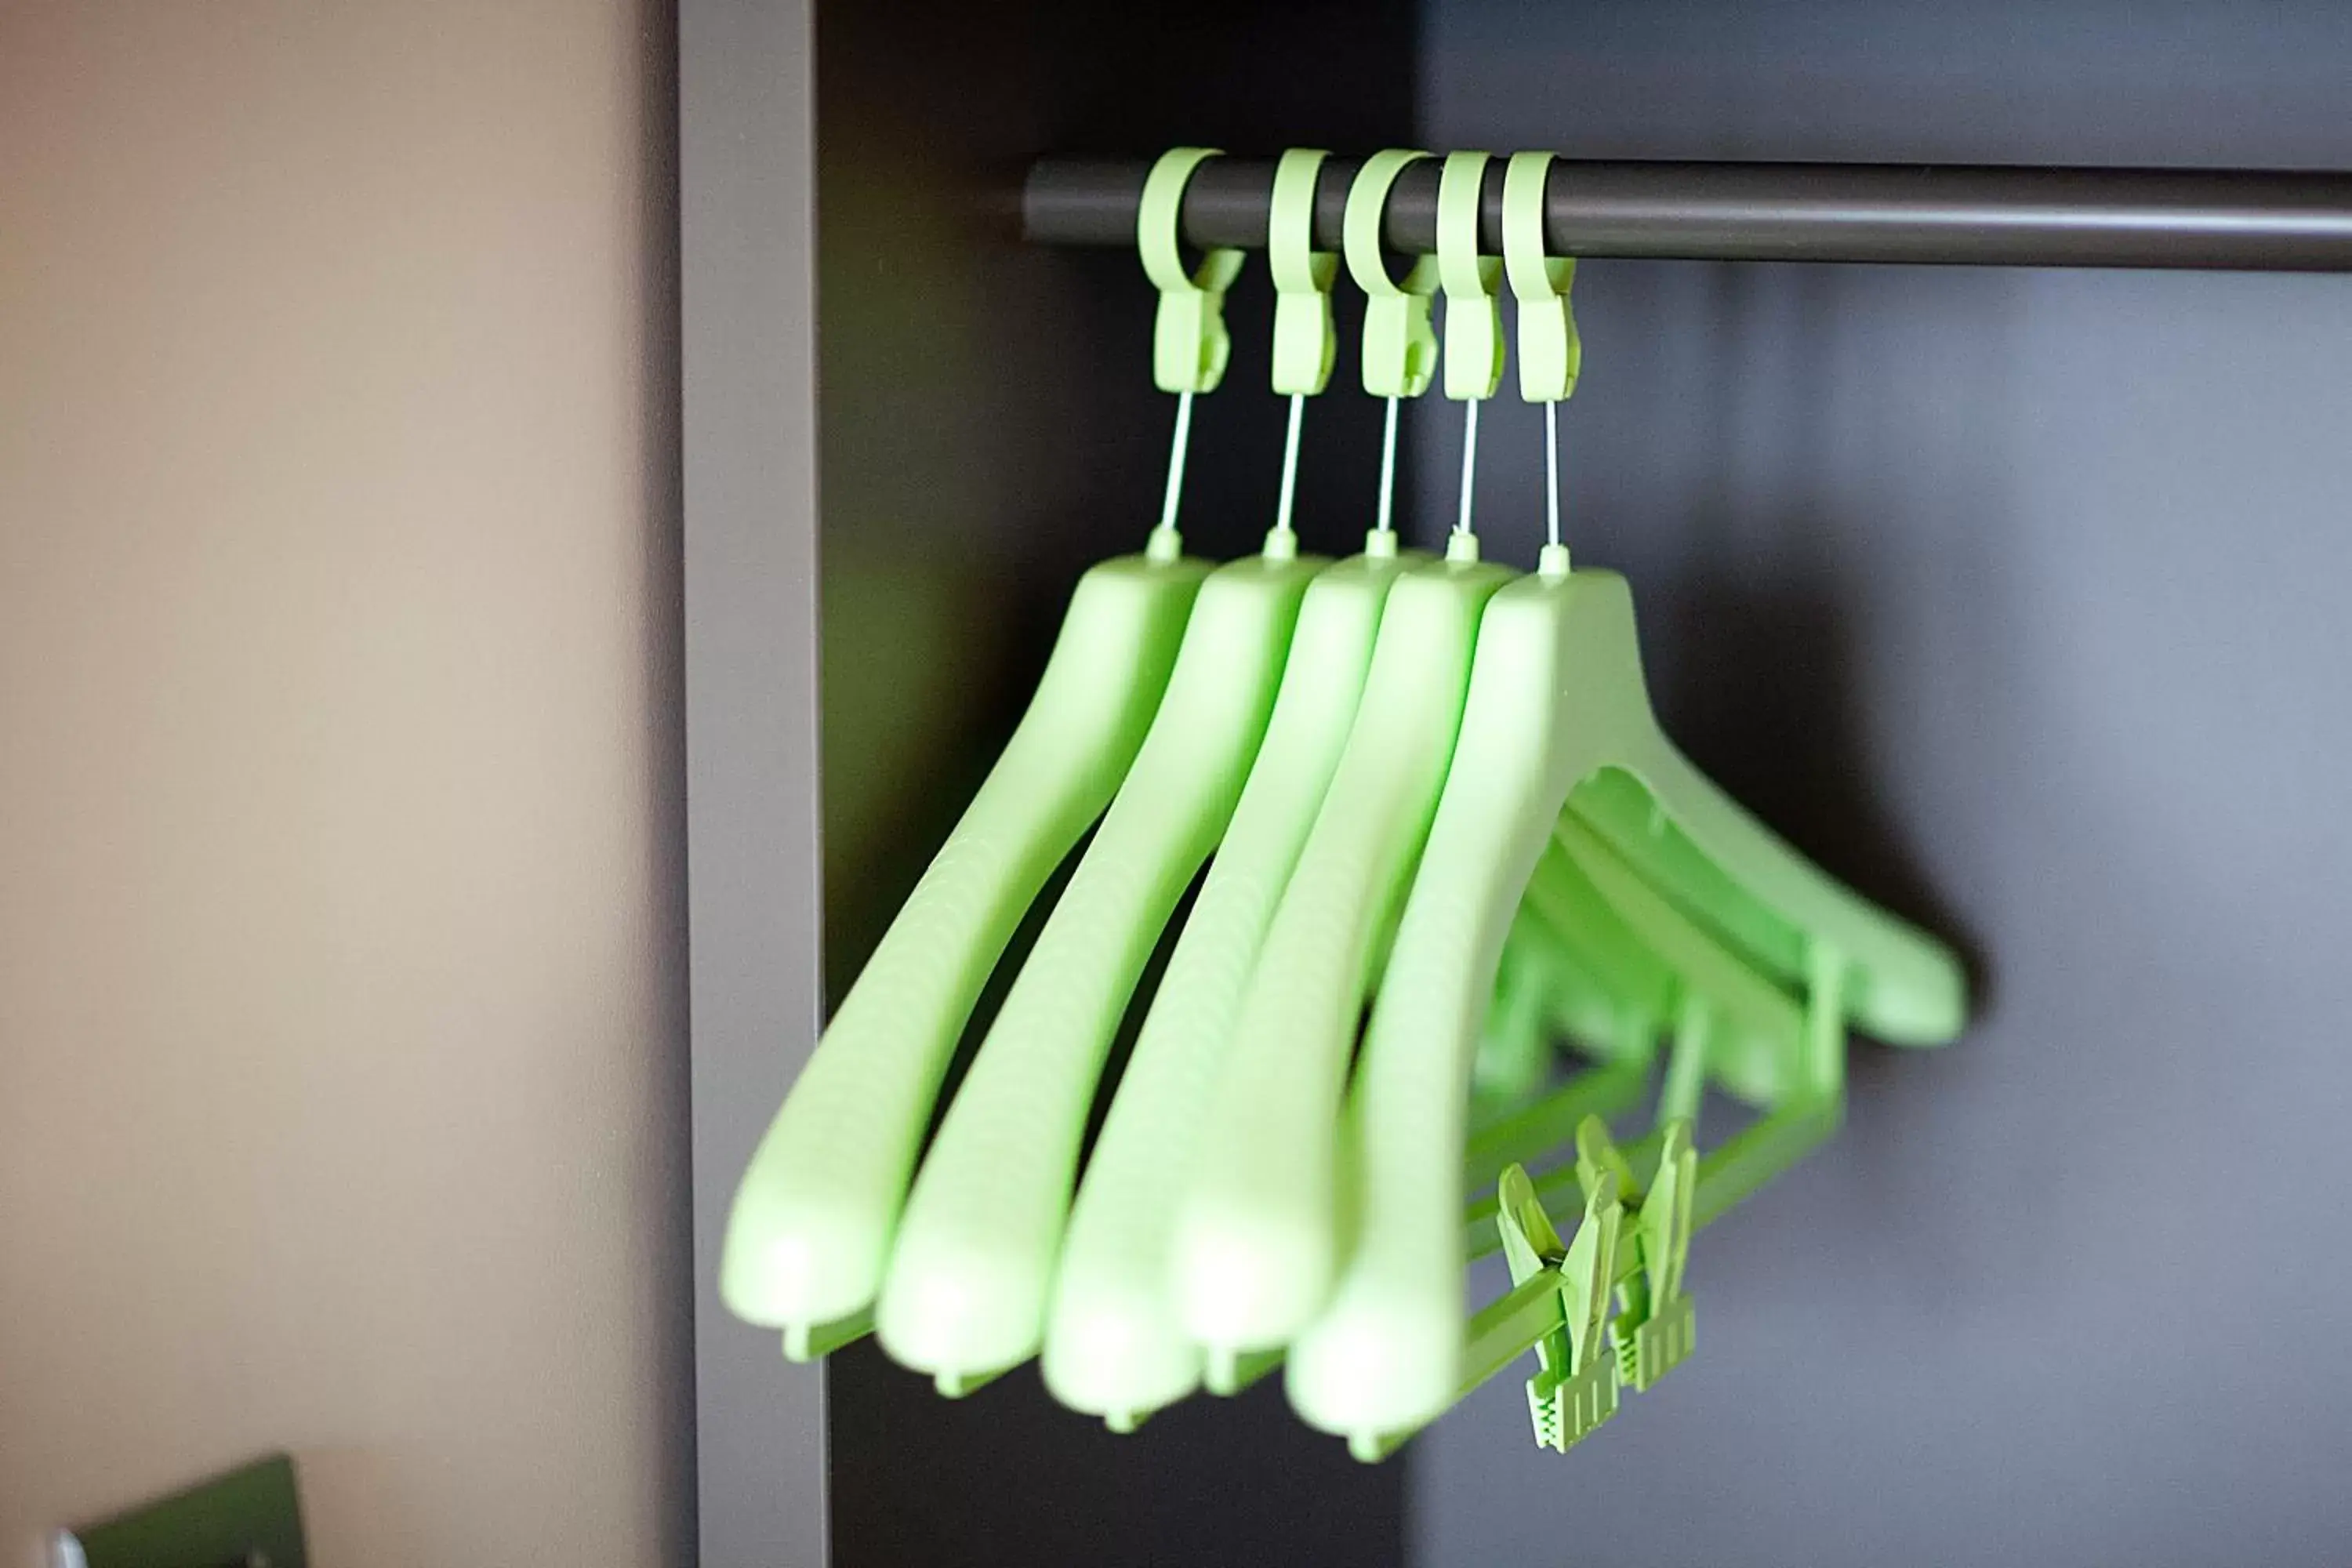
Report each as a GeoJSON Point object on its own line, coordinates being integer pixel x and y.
{"type": "Point", "coordinates": [1980, 216]}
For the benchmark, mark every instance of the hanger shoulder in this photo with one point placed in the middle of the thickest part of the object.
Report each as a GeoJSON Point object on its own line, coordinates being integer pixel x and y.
{"type": "Point", "coordinates": [1113, 1345]}
{"type": "Point", "coordinates": [1595, 937]}
{"type": "Point", "coordinates": [1556, 698]}
{"type": "Point", "coordinates": [1384, 1355]}
{"type": "Point", "coordinates": [1757, 1029]}
{"type": "Point", "coordinates": [1713, 854]}
{"type": "Point", "coordinates": [1256, 1244]}
{"type": "Point", "coordinates": [965, 1291]}
{"type": "Point", "coordinates": [812, 1217]}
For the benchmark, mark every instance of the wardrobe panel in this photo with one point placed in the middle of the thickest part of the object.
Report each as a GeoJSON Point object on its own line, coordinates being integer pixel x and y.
{"type": "Point", "coordinates": [2014, 599]}
{"type": "Point", "coordinates": [988, 428]}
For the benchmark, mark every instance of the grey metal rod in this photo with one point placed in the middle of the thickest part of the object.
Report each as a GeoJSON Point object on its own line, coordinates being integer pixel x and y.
{"type": "Point", "coordinates": [2238, 220]}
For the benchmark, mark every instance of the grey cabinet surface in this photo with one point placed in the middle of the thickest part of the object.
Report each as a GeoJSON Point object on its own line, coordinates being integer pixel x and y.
{"type": "Point", "coordinates": [2012, 596]}
{"type": "Point", "coordinates": [747, 266]}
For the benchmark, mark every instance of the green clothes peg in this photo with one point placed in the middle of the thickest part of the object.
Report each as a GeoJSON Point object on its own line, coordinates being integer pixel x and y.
{"type": "Point", "coordinates": [1656, 1334]}
{"type": "Point", "coordinates": [1575, 1387]}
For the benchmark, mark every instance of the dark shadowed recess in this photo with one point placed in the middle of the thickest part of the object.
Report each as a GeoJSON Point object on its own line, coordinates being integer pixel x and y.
{"type": "Point", "coordinates": [989, 428]}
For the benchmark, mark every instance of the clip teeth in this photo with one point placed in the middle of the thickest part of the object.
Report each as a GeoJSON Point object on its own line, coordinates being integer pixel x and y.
{"type": "Point", "coordinates": [1646, 1352]}
{"type": "Point", "coordinates": [1544, 1410]}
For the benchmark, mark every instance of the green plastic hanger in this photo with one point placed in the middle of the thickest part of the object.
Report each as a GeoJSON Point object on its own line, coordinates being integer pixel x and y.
{"type": "Point", "coordinates": [1596, 986]}
{"type": "Point", "coordinates": [1556, 698]}
{"type": "Point", "coordinates": [1612, 994]}
{"type": "Point", "coordinates": [1771, 902]}
{"type": "Point", "coordinates": [1113, 1345]}
{"type": "Point", "coordinates": [1655, 1331]}
{"type": "Point", "coordinates": [1534, 986]}
{"type": "Point", "coordinates": [965, 1294]}
{"type": "Point", "coordinates": [816, 1213]}
{"type": "Point", "coordinates": [1729, 1024]}
{"type": "Point", "coordinates": [967, 1291]}
{"type": "Point", "coordinates": [1258, 1231]}
{"type": "Point", "coordinates": [1717, 861]}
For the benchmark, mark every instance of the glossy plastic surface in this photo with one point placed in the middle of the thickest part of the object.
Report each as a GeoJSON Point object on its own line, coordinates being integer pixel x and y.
{"type": "Point", "coordinates": [965, 1294]}
{"type": "Point", "coordinates": [1190, 344]}
{"type": "Point", "coordinates": [1113, 1345]}
{"type": "Point", "coordinates": [1474, 316]}
{"type": "Point", "coordinates": [1400, 350]}
{"type": "Point", "coordinates": [1556, 697]}
{"type": "Point", "coordinates": [1305, 340]}
{"type": "Point", "coordinates": [817, 1208]}
{"type": "Point", "coordinates": [1257, 1235]}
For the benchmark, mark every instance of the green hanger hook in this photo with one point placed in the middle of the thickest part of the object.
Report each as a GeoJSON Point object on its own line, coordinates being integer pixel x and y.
{"type": "Point", "coordinates": [1189, 345]}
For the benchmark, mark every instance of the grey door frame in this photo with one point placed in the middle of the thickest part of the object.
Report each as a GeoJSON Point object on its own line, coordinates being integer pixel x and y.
{"type": "Point", "coordinates": [747, 189]}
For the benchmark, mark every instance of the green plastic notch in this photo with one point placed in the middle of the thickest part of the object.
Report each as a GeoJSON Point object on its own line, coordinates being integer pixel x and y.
{"type": "Point", "coordinates": [1189, 345]}
{"type": "Point", "coordinates": [1304, 341]}
{"type": "Point", "coordinates": [1551, 354]}
{"type": "Point", "coordinates": [1400, 357]}
{"type": "Point", "coordinates": [1474, 316]}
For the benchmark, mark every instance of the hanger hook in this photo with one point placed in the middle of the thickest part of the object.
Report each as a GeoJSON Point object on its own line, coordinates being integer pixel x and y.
{"type": "Point", "coordinates": [1189, 345]}
{"type": "Point", "coordinates": [1400, 351]}
{"type": "Point", "coordinates": [1304, 341]}
{"type": "Point", "coordinates": [1550, 354]}
{"type": "Point", "coordinates": [1473, 319]}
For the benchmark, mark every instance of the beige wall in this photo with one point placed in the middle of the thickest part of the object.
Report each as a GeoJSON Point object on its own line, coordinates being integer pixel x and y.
{"type": "Point", "coordinates": [341, 1036]}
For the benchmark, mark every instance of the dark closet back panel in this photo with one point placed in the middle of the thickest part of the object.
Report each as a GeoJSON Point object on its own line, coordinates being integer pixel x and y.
{"type": "Point", "coordinates": [2017, 597]}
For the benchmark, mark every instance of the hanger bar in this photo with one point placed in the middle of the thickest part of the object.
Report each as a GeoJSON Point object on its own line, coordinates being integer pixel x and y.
{"type": "Point", "coordinates": [1981, 216]}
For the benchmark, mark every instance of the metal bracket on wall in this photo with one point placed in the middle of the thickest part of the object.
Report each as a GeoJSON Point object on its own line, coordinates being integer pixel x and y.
{"type": "Point", "coordinates": [250, 1517]}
